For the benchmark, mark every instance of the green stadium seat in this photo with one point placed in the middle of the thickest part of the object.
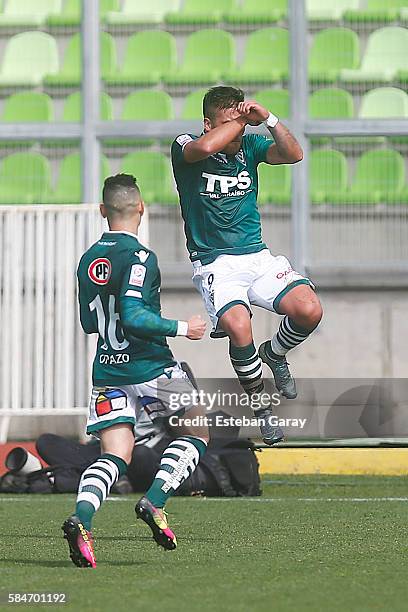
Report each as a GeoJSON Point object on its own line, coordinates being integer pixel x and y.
{"type": "Point", "coordinates": [144, 105]}
{"type": "Point", "coordinates": [25, 178]}
{"type": "Point", "coordinates": [28, 57]}
{"type": "Point", "coordinates": [376, 11]}
{"type": "Point", "coordinates": [208, 54]}
{"type": "Point", "coordinates": [266, 58]}
{"type": "Point", "coordinates": [68, 187]}
{"type": "Point", "coordinates": [331, 103]}
{"type": "Point", "coordinates": [329, 10]}
{"type": "Point", "coordinates": [193, 105]}
{"type": "Point", "coordinates": [18, 13]}
{"type": "Point", "coordinates": [28, 106]}
{"type": "Point", "coordinates": [71, 71]}
{"type": "Point", "coordinates": [135, 12]}
{"type": "Point", "coordinates": [72, 110]}
{"type": "Point", "coordinates": [153, 175]}
{"type": "Point", "coordinates": [274, 184]}
{"type": "Point", "coordinates": [328, 175]}
{"type": "Point", "coordinates": [258, 12]}
{"type": "Point", "coordinates": [379, 177]}
{"type": "Point", "coordinates": [384, 102]}
{"type": "Point", "coordinates": [148, 56]}
{"type": "Point", "coordinates": [195, 12]}
{"type": "Point", "coordinates": [70, 15]}
{"type": "Point", "coordinates": [386, 53]}
{"type": "Point", "coordinates": [333, 49]}
{"type": "Point", "coordinates": [275, 100]}
{"type": "Point", "coordinates": [148, 104]}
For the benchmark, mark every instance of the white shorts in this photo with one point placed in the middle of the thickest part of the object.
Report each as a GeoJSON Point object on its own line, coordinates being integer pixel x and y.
{"type": "Point", "coordinates": [256, 278]}
{"type": "Point", "coordinates": [157, 398]}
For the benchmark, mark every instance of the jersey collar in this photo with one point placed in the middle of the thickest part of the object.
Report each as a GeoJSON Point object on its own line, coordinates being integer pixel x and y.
{"type": "Point", "coordinates": [120, 232]}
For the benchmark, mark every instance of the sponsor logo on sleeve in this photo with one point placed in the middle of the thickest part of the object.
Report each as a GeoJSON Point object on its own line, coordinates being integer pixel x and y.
{"type": "Point", "coordinates": [183, 140]}
{"type": "Point", "coordinates": [100, 270]}
{"type": "Point", "coordinates": [137, 275]}
{"type": "Point", "coordinates": [142, 255]}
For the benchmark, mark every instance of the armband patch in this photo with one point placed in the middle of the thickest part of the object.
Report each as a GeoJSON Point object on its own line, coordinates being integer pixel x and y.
{"type": "Point", "coordinates": [183, 140]}
{"type": "Point", "coordinates": [137, 275]}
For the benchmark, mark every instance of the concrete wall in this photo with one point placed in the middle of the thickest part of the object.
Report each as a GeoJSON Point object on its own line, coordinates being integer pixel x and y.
{"type": "Point", "coordinates": [362, 335]}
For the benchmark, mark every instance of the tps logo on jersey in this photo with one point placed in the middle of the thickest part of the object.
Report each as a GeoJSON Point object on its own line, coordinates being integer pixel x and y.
{"type": "Point", "coordinates": [242, 182]}
{"type": "Point", "coordinates": [100, 271]}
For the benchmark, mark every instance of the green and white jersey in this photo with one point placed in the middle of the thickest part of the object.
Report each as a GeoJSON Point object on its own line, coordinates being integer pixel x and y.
{"type": "Point", "coordinates": [119, 285]}
{"type": "Point", "coordinates": [218, 198]}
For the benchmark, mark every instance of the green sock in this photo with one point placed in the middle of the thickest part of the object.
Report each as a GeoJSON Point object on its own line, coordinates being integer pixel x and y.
{"type": "Point", "coordinates": [178, 462]}
{"type": "Point", "coordinates": [248, 367]}
{"type": "Point", "coordinates": [95, 484]}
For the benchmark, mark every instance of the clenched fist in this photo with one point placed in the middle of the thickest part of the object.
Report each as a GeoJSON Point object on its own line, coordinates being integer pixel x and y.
{"type": "Point", "coordinates": [196, 327]}
{"type": "Point", "coordinates": [253, 112]}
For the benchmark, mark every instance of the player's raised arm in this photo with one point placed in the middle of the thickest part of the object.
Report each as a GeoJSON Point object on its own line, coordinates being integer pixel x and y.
{"type": "Point", "coordinates": [286, 149]}
{"type": "Point", "coordinates": [214, 140]}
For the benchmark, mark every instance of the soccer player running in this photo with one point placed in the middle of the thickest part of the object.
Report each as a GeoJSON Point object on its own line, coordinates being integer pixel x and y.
{"type": "Point", "coordinates": [133, 370]}
{"type": "Point", "coordinates": [217, 181]}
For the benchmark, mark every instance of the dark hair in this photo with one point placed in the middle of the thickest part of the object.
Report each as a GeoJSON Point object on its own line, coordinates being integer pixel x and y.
{"type": "Point", "coordinates": [220, 98]}
{"type": "Point", "coordinates": [119, 192]}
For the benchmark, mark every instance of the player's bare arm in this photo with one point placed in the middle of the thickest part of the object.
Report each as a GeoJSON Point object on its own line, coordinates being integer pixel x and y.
{"type": "Point", "coordinates": [215, 139]}
{"type": "Point", "coordinates": [286, 149]}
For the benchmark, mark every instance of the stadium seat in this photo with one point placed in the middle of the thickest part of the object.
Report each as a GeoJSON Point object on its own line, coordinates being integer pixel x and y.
{"type": "Point", "coordinates": [258, 12]}
{"type": "Point", "coordinates": [25, 178]}
{"type": "Point", "coordinates": [274, 184]}
{"type": "Point", "coordinates": [386, 53]}
{"type": "Point", "coordinates": [28, 106]}
{"type": "Point", "coordinates": [148, 56]}
{"type": "Point", "coordinates": [379, 177]}
{"type": "Point", "coordinates": [71, 13]}
{"type": "Point", "coordinates": [384, 102]}
{"type": "Point", "coordinates": [148, 104]}
{"type": "Point", "coordinates": [276, 100]}
{"type": "Point", "coordinates": [332, 50]}
{"type": "Point", "coordinates": [208, 54]}
{"type": "Point", "coordinates": [68, 187]}
{"type": "Point", "coordinates": [28, 14]}
{"type": "Point", "coordinates": [70, 73]}
{"type": "Point", "coordinates": [329, 10]}
{"type": "Point", "coordinates": [193, 105]}
{"type": "Point", "coordinates": [197, 12]}
{"type": "Point", "coordinates": [72, 110]}
{"type": "Point", "coordinates": [144, 105]}
{"type": "Point", "coordinates": [266, 58]}
{"type": "Point", "coordinates": [331, 103]}
{"type": "Point", "coordinates": [153, 175]}
{"type": "Point", "coordinates": [134, 12]}
{"type": "Point", "coordinates": [28, 57]}
{"type": "Point", "coordinates": [328, 175]}
{"type": "Point", "coordinates": [376, 11]}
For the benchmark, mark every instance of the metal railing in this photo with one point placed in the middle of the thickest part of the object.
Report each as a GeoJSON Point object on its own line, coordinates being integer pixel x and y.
{"type": "Point", "coordinates": [46, 357]}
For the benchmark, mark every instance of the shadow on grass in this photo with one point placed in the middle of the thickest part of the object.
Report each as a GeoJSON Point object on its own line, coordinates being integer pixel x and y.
{"type": "Point", "coordinates": [66, 563]}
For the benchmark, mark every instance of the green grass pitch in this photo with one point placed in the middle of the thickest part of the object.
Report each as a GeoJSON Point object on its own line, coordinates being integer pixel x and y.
{"type": "Point", "coordinates": [309, 543]}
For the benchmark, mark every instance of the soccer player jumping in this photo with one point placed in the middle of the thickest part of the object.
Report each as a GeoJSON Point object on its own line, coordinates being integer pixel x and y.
{"type": "Point", "coordinates": [133, 370]}
{"type": "Point", "coordinates": [217, 181]}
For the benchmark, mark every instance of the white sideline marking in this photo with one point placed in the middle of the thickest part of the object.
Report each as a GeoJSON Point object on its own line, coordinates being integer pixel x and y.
{"type": "Point", "coordinates": [236, 499]}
